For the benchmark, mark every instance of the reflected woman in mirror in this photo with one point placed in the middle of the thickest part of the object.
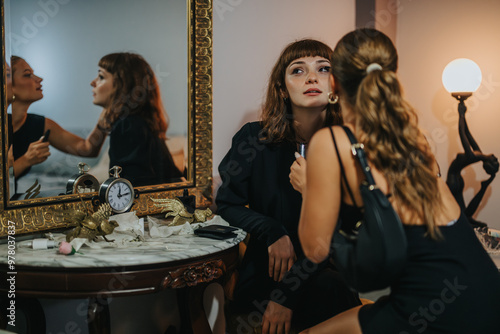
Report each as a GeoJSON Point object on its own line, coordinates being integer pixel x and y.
{"type": "Point", "coordinates": [135, 118]}
{"type": "Point", "coordinates": [28, 130]}
{"type": "Point", "coordinates": [448, 276]}
{"type": "Point", "coordinates": [262, 176]}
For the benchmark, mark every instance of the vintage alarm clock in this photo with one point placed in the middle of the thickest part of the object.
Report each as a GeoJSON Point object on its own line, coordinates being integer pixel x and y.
{"type": "Point", "coordinates": [117, 192]}
{"type": "Point", "coordinates": [83, 182]}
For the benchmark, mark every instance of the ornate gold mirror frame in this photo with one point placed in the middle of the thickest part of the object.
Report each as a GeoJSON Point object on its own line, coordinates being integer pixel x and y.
{"type": "Point", "coordinates": [37, 215]}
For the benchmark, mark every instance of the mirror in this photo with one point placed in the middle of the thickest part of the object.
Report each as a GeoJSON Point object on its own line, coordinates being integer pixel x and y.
{"type": "Point", "coordinates": [191, 71]}
{"type": "Point", "coordinates": [63, 41]}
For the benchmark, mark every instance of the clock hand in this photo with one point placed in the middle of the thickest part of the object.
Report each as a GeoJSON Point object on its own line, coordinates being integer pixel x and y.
{"type": "Point", "coordinates": [119, 195]}
{"type": "Point", "coordinates": [125, 194]}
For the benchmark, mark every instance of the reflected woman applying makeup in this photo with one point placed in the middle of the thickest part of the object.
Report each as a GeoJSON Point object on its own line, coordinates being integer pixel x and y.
{"type": "Point", "coordinates": [29, 148]}
{"type": "Point", "coordinates": [135, 119]}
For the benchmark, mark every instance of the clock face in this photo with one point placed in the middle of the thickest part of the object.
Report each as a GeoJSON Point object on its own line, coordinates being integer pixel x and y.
{"type": "Point", "coordinates": [120, 196]}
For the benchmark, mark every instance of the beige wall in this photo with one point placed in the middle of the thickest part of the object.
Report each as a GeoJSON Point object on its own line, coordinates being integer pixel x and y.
{"type": "Point", "coordinates": [386, 14]}
{"type": "Point", "coordinates": [429, 35]}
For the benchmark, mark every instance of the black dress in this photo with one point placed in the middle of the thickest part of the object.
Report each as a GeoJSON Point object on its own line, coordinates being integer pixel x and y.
{"type": "Point", "coordinates": [32, 130]}
{"type": "Point", "coordinates": [448, 286]}
{"type": "Point", "coordinates": [143, 156]}
{"type": "Point", "coordinates": [256, 195]}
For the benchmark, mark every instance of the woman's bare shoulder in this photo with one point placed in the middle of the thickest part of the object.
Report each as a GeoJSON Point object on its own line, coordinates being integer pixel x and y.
{"type": "Point", "coordinates": [324, 135]}
{"type": "Point", "coordinates": [322, 143]}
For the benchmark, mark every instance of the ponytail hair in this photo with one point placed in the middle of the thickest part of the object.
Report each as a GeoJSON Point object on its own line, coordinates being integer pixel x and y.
{"type": "Point", "coordinates": [386, 123]}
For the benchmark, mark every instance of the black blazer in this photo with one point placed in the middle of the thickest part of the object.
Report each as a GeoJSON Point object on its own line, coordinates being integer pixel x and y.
{"type": "Point", "coordinates": [257, 196]}
{"type": "Point", "coordinates": [143, 156]}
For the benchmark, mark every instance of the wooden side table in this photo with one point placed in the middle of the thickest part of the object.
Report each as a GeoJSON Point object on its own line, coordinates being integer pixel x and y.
{"type": "Point", "coordinates": [186, 263]}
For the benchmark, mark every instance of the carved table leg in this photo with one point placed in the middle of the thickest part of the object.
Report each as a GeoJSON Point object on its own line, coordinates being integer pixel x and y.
{"type": "Point", "coordinates": [192, 312]}
{"type": "Point", "coordinates": [191, 283]}
{"type": "Point", "coordinates": [98, 316]}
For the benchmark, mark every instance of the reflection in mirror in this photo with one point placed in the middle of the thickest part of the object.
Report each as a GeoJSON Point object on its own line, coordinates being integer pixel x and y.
{"type": "Point", "coordinates": [63, 42]}
{"type": "Point", "coordinates": [9, 97]}
{"type": "Point", "coordinates": [37, 215]}
{"type": "Point", "coordinates": [134, 117]}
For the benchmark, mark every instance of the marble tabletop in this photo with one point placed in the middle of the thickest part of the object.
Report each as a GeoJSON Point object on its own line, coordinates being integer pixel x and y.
{"type": "Point", "coordinates": [179, 245]}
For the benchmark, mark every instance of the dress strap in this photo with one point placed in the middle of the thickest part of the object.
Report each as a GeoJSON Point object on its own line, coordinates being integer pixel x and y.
{"type": "Point", "coordinates": [342, 171]}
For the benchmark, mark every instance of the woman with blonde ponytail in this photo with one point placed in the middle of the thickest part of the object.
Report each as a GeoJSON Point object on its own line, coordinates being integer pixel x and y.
{"type": "Point", "coordinates": [448, 275]}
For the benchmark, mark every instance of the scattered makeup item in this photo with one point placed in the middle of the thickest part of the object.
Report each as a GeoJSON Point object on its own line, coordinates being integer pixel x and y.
{"type": "Point", "coordinates": [302, 149]}
{"type": "Point", "coordinates": [42, 244]}
{"type": "Point", "coordinates": [46, 136]}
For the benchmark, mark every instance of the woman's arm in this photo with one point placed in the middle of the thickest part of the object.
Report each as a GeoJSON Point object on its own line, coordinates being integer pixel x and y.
{"type": "Point", "coordinates": [322, 195]}
{"type": "Point", "coordinates": [242, 170]}
{"type": "Point", "coordinates": [70, 143]}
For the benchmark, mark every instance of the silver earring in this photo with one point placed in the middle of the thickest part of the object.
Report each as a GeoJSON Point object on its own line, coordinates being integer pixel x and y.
{"type": "Point", "coordinates": [13, 98]}
{"type": "Point", "coordinates": [332, 100]}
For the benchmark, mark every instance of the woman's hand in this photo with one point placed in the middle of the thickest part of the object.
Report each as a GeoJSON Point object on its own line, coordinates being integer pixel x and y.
{"type": "Point", "coordinates": [298, 173]}
{"type": "Point", "coordinates": [37, 152]}
{"type": "Point", "coordinates": [281, 257]}
{"type": "Point", "coordinates": [277, 319]}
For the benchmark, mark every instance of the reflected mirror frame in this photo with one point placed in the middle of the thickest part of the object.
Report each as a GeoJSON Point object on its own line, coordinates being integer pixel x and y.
{"type": "Point", "coordinates": [37, 215]}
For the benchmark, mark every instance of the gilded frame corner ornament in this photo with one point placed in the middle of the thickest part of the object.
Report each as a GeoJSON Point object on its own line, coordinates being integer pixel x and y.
{"type": "Point", "coordinates": [37, 215]}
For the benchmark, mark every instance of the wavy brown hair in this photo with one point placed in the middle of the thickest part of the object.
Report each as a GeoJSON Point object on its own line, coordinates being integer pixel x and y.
{"type": "Point", "coordinates": [136, 92]}
{"type": "Point", "coordinates": [386, 122]}
{"type": "Point", "coordinates": [276, 115]}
